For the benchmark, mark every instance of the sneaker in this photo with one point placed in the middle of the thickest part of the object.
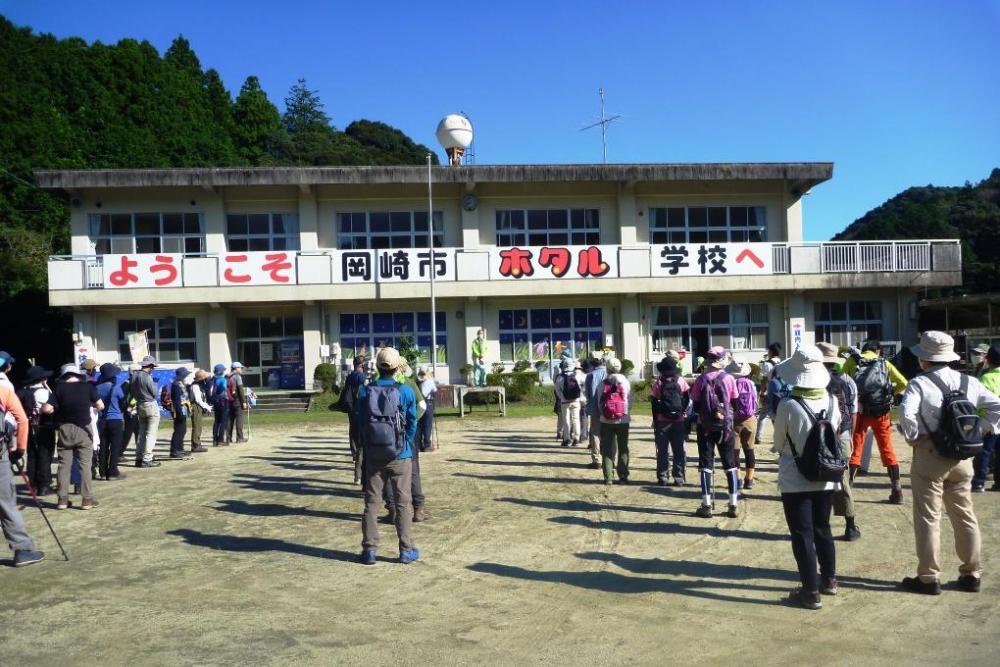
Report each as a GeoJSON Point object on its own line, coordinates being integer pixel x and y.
{"type": "Point", "coordinates": [896, 497]}
{"type": "Point", "coordinates": [733, 511]}
{"type": "Point", "coordinates": [978, 489]}
{"type": "Point", "coordinates": [23, 557]}
{"type": "Point", "coordinates": [420, 514]}
{"type": "Point", "coordinates": [609, 482]}
{"type": "Point", "coordinates": [178, 455]}
{"type": "Point", "coordinates": [594, 465]}
{"type": "Point", "coordinates": [679, 481]}
{"type": "Point", "coordinates": [805, 599]}
{"type": "Point", "coordinates": [705, 512]}
{"type": "Point", "coordinates": [915, 585]}
{"type": "Point", "coordinates": [63, 504]}
{"type": "Point", "coordinates": [148, 464]}
{"type": "Point", "coordinates": [113, 478]}
{"type": "Point", "coordinates": [662, 482]}
{"type": "Point", "coordinates": [574, 443]}
{"type": "Point", "coordinates": [89, 504]}
{"type": "Point", "coordinates": [407, 556]}
{"type": "Point", "coordinates": [198, 450]}
{"type": "Point", "coordinates": [853, 533]}
{"type": "Point", "coordinates": [565, 443]}
{"type": "Point", "coordinates": [747, 484]}
{"type": "Point", "coordinates": [969, 583]}
{"type": "Point", "coordinates": [862, 471]}
{"type": "Point", "coordinates": [829, 586]}
{"type": "Point", "coordinates": [367, 557]}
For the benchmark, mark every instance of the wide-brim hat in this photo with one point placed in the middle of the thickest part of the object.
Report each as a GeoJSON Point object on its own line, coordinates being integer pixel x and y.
{"type": "Point", "coordinates": [739, 368]}
{"type": "Point", "coordinates": [201, 374]}
{"type": "Point", "coordinates": [804, 369]}
{"type": "Point", "coordinates": [935, 346]}
{"type": "Point", "coordinates": [182, 372]}
{"type": "Point", "coordinates": [614, 365]}
{"type": "Point", "coordinates": [831, 353]}
{"type": "Point", "coordinates": [387, 359]}
{"type": "Point", "coordinates": [668, 366]}
{"type": "Point", "coordinates": [716, 357]}
{"type": "Point", "coordinates": [35, 374]}
{"type": "Point", "coordinates": [109, 373]}
{"type": "Point", "coordinates": [71, 369]}
{"type": "Point", "coordinates": [981, 349]}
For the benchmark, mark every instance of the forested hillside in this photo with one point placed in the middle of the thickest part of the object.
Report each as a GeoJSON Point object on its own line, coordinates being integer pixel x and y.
{"type": "Point", "coordinates": [67, 104]}
{"type": "Point", "coordinates": [970, 213]}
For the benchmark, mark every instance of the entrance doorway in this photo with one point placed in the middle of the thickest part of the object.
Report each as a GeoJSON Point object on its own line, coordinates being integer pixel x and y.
{"type": "Point", "coordinates": [258, 348]}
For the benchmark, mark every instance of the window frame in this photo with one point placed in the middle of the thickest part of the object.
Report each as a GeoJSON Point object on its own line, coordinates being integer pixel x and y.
{"type": "Point", "coordinates": [740, 320]}
{"type": "Point", "coordinates": [372, 339]}
{"type": "Point", "coordinates": [361, 234]}
{"type": "Point", "coordinates": [592, 334]}
{"type": "Point", "coordinates": [250, 241]}
{"type": "Point", "coordinates": [561, 227]}
{"type": "Point", "coordinates": [156, 340]}
{"type": "Point", "coordinates": [667, 227]}
{"type": "Point", "coordinates": [841, 330]}
{"type": "Point", "coordinates": [133, 241]}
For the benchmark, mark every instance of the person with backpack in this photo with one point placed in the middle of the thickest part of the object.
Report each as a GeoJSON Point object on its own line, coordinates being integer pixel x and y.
{"type": "Point", "coordinates": [238, 402]}
{"type": "Point", "coordinates": [387, 415]}
{"type": "Point", "coordinates": [670, 396]}
{"type": "Point", "coordinates": [940, 418]}
{"type": "Point", "coordinates": [71, 403]}
{"type": "Point", "coordinates": [592, 389]}
{"type": "Point", "coordinates": [615, 402]}
{"type": "Point", "coordinates": [713, 394]}
{"type": "Point", "coordinates": [143, 388]}
{"type": "Point", "coordinates": [809, 465]}
{"type": "Point", "coordinates": [346, 402]}
{"type": "Point", "coordinates": [990, 379]}
{"type": "Point", "coordinates": [218, 397]}
{"type": "Point", "coordinates": [569, 396]}
{"type": "Point", "coordinates": [14, 429]}
{"type": "Point", "coordinates": [196, 386]}
{"type": "Point", "coordinates": [877, 381]}
{"type": "Point", "coordinates": [843, 389]}
{"type": "Point", "coordinates": [110, 423]}
{"type": "Point", "coordinates": [744, 419]}
{"type": "Point", "coordinates": [130, 416]}
{"type": "Point", "coordinates": [41, 429]}
{"type": "Point", "coordinates": [767, 405]}
{"type": "Point", "coordinates": [179, 405]}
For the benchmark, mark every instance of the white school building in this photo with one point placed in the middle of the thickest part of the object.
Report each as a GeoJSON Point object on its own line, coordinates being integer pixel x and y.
{"type": "Point", "coordinates": [283, 268]}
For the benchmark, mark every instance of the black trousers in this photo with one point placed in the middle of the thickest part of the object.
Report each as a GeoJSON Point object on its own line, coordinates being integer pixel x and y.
{"type": "Point", "coordinates": [41, 450]}
{"type": "Point", "coordinates": [110, 449]}
{"type": "Point", "coordinates": [709, 442]}
{"type": "Point", "coordinates": [177, 439]}
{"type": "Point", "coordinates": [808, 518]}
{"type": "Point", "coordinates": [131, 431]}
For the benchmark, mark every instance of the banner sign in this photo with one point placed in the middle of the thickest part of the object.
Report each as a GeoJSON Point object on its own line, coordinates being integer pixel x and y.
{"type": "Point", "coordinates": [138, 345]}
{"type": "Point", "coordinates": [554, 262]}
{"type": "Point", "coordinates": [712, 259]}
{"type": "Point", "coordinates": [399, 265]}
{"type": "Point", "coordinates": [142, 270]}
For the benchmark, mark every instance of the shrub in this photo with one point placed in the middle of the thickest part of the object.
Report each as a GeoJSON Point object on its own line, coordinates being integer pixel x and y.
{"type": "Point", "coordinates": [521, 365]}
{"type": "Point", "coordinates": [518, 385]}
{"type": "Point", "coordinates": [627, 367]}
{"type": "Point", "coordinates": [326, 376]}
{"type": "Point", "coordinates": [498, 368]}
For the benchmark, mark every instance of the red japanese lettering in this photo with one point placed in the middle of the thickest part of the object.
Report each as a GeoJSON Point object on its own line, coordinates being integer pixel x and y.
{"type": "Point", "coordinates": [557, 258]}
{"type": "Point", "coordinates": [166, 266]}
{"type": "Point", "coordinates": [230, 275]}
{"type": "Point", "coordinates": [275, 263]}
{"type": "Point", "coordinates": [591, 264]}
{"type": "Point", "coordinates": [516, 263]}
{"type": "Point", "coordinates": [123, 276]}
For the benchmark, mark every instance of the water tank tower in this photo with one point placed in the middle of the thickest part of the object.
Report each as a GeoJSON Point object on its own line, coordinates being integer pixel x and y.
{"type": "Point", "coordinates": [454, 133]}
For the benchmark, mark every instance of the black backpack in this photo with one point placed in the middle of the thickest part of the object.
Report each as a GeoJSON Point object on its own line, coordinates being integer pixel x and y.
{"type": "Point", "coordinates": [821, 460]}
{"type": "Point", "coordinates": [671, 403]}
{"type": "Point", "coordinates": [874, 387]}
{"type": "Point", "coordinates": [958, 435]}
{"type": "Point", "coordinates": [571, 386]}
{"type": "Point", "coordinates": [842, 390]}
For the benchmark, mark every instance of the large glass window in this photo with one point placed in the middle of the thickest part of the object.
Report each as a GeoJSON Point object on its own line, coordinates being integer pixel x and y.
{"type": "Point", "coordinates": [262, 231]}
{"type": "Point", "coordinates": [697, 328]}
{"type": "Point", "coordinates": [388, 229]}
{"type": "Point", "coordinates": [707, 224]}
{"type": "Point", "coordinates": [848, 322]}
{"type": "Point", "coordinates": [258, 342]}
{"type": "Point", "coordinates": [538, 334]}
{"type": "Point", "coordinates": [555, 226]}
{"type": "Point", "coordinates": [125, 233]}
{"type": "Point", "coordinates": [171, 339]}
{"type": "Point", "coordinates": [364, 333]}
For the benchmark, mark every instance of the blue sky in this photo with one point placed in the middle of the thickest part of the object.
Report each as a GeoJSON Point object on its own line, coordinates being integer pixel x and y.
{"type": "Point", "coordinates": [896, 93]}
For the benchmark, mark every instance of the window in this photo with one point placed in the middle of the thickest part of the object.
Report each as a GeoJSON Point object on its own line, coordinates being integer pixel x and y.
{"type": "Point", "coordinates": [540, 333]}
{"type": "Point", "coordinates": [539, 227]}
{"type": "Point", "coordinates": [262, 231]}
{"type": "Point", "coordinates": [388, 229]}
{"type": "Point", "coordinates": [848, 322]}
{"type": "Point", "coordinates": [707, 224]}
{"type": "Point", "coordinates": [125, 233]}
{"type": "Point", "coordinates": [699, 327]}
{"type": "Point", "coordinates": [364, 333]}
{"type": "Point", "coordinates": [171, 339]}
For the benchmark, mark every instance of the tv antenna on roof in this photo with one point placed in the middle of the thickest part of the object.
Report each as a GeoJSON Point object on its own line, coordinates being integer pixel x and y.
{"type": "Point", "coordinates": [604, 122]}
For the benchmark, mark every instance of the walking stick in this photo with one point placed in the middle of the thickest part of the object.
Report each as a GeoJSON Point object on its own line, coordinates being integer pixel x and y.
{"type": "Point", "coordinates": [19, 468]}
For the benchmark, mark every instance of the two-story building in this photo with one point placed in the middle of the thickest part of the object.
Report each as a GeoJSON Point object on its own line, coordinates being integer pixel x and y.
{"type": "Point", "coordinates": [282, 268]}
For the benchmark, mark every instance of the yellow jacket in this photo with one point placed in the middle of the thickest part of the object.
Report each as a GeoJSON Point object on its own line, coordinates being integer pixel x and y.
{"type": "Point", "coordinates": [897, 379]}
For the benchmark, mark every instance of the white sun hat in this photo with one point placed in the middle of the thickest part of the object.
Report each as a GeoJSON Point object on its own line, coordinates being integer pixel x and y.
{"type": "Point", "coordinates": [804, 369]}
{"type": "Point", "coordinates": [935, 346]}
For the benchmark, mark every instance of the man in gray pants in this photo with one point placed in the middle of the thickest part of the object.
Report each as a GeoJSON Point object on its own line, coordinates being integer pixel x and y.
{"type": "Point", "coordinates": [148, 411]}
{"type": "Point", "coordinates": [10, 518]}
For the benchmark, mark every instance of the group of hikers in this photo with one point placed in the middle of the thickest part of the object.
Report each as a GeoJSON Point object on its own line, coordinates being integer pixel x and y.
{"type": "Point", "coordinates": [89, 414]}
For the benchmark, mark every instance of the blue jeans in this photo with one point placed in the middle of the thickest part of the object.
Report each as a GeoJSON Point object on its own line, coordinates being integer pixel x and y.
{"type": "Point", "coordinates": [981, 464]}
{"type": "Point", "coordinates": [425, 429]}
{"type": "Point", "coordinates": [479, 373]}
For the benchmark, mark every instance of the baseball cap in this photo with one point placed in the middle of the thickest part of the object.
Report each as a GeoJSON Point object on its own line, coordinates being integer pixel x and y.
{"type": "Point", "coordinates": [387, 358]}
{"type": "Point", "coordinates": [5, 359]}
{"type": "Point", "coordinates": [219, 368]}
{"type": "Point", "coordinates": [148, 360]}
{"type": "Point", "coordinates": [236, 364]}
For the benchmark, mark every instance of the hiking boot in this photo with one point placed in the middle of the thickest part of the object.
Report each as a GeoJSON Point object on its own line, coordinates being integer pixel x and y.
{"type": "Point", "coordinates": [679, 481]}
{"type": "Point", "coordinates": [978, 489]}
{"type": "Point", "coordinates": [915, 585]}
{"type": "Point", "coordinates": [178, 455]}
{"type": "Point", "coordinates": [89, 504]}
{"type": "Point", "coordinates": [896, 497]}
{"type": "Point", "coordinates": [609, 482]}
{"type": "Point", "coordinates": [367, 557]}
{"type": "Point", "coordinates": [969, 583]}
{"type": "Point", "coordinates": [407, 556]}
{"type": "Point", "coordinates": [63, 504]}
{"type": "Point", "coordinates": [574, 443]}
{"type": "Point", "coordinates": [594, 465]}
{"type": "Point", "coordinates": [829, 586]}
{"type": "Point", "coordinates": [148, 464]}
{"type": "Point", "coordinates": [390, 517]}
{"type": "Point", "coordinates": [733, 511]}
{"type": "Point", "coordinates": [805, 599]}
{"type": "Point", "coordinates": [705, 512]}
{"type": "Point", "coordinates": [747, 484]}
{"type": "Point", "coordinates": [565, 443]}
{"type": "Point", "coordinates": [23, 557]}
{"type": "Point", "coordinates": [852, 533]}
{"type": "Point", "coordinates": [198, 450]}
{"type": "Point", "coordinates": [420, 514]}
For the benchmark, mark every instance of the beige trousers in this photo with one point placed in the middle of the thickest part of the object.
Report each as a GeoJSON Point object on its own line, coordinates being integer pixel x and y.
{"type": "Point", "coordinates": [935, 479]}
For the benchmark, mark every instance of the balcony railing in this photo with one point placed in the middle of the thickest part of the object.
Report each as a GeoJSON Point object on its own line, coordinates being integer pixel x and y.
{"type": "Point", "coordinates": [490, 263]}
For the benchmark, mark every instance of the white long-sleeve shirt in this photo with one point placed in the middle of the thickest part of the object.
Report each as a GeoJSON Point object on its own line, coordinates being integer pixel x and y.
{"type": "Point", "coordinates": [198, 396]}
{"type": "Point", "coordinates": [792, 422]}
{"type": "Point", "coordinates": [920, 411]}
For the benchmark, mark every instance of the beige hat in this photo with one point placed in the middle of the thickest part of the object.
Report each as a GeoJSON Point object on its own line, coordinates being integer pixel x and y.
{"type": "Point", "coordinates": [201, 374]}
{"type": "Point", "coordinates": [716, 358]}
{"type": "Point", "coordinates": [935, 346]}
{"type": "Point", "coordinates": [89, 364]}
{"type": "Point", "coordinates": [804, 369]}
{"type": "Point", "coordinates": [674, 354]}
{"type": "Point", "coordinates": [981, 349]}
{"type": "Point", "coordinates": [739, 368]}
{"type": "Point", "coordinates": [614, 365]}
{"type": "Point", "coordinates": [831, 353]}
{"type": "Point", "coordinates": [387, 359]}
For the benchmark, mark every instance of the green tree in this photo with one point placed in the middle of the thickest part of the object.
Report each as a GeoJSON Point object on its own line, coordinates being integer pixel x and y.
{"type": "Point", "coordinates": [258, 124]}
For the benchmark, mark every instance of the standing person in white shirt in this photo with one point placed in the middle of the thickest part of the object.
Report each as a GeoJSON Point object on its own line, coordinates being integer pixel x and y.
{"type": "Point", "coordinates": [569, 392]}
{"type": "Point", "coordinates": [935, 478]}
{"type": "Point", "coordinates": [199, 406]}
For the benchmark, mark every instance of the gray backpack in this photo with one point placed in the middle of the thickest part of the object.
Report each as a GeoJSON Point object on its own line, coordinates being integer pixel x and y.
{"type": "Point", "coordinates": [382, 434]}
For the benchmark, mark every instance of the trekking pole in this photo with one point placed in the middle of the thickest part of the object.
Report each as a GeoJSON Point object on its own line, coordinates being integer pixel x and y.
{"type": "Point", "coordinates": [19, 468]}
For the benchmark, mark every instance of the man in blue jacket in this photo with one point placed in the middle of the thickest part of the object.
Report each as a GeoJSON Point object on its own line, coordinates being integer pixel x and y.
{"type": "Point", "coordinates": [387, 420]}
{"type": "Point", "coordinates": [595, 379]}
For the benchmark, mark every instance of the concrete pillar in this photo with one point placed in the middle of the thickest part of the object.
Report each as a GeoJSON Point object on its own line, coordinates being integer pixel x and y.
{"type": "Point", "coordinates": [793, 219]}
{"type": "Point", "coordinates": [796, 331]}
{"type": "Point", "coordinates": [85, 340]}
{"type": "Point", "coordinates": [310, 341]}
{"type": "Point", "coordinates": [219, 351]}
{"type": "Point", "coordinates": [627, 215]}
{"type": "Point", "coordinates": [631, 346]}
{"type": "Point", "coordinates": [308, 224]}
{"type": "Point", "coordinates": [474, 321]}
{"type": "Point", "coordinates": [470, 226]}
{"type": "Point", "coordinates": [213, 205]}
{"type": "Point", "coordinates": [79, 225]}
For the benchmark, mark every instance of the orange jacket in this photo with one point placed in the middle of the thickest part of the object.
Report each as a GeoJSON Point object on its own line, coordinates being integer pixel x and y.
{"type": "Point", "coordinates": [10, 403]}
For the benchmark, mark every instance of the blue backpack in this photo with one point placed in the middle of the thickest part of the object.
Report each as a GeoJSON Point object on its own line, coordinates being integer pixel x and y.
{"type": "Point", "coordinates": [382, 432]}
{"type": "Point", "coordinates": [777, 389]}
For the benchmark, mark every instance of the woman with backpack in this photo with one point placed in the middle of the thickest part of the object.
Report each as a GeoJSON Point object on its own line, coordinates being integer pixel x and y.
{"type": "Point", "coordinates": [219, 399]}
{"type": "Point", "coordinates": [615, 403]}
{"type": "Point", "coordinates": [805, 417]}
{"type": "Point", "coordinates": [713, 395]}
{"type": "Point", "coordinates": [569, 397]}
{"type": "Point", "coordinates": [744, 418]}
{"type": "Point", "coordinates": [670, 396]}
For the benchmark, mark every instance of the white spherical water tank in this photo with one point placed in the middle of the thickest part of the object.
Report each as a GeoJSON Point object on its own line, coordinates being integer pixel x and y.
{"type": "Point", "coordinates": [454, 133]}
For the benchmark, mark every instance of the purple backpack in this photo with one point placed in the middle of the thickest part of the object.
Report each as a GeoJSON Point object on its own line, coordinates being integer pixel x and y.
{"type": "Point", "coordinates": [715, 415]}
{"type": "Point", "coordinates": [746, 403]}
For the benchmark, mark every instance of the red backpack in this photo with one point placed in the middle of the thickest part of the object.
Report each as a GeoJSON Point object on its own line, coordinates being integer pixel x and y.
{"type": "Point", "coordinates": [613, 400]}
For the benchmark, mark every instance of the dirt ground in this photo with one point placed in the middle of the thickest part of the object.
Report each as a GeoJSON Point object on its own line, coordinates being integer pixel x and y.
{"type": "Point", "coordinates": [244, 556]}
